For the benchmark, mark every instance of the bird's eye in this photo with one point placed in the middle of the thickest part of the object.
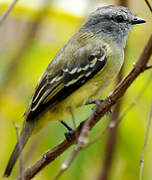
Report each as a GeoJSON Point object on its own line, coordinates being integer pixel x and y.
{"type": "Point", "coordinates": [119, 18]}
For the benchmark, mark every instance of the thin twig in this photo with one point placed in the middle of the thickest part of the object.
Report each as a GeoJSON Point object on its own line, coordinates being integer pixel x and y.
{"type": "Point", "coordinates": [145, 143]}
{"type": "Point", "coordinates": [149, 5]}
{"type": "Point", "coordinates": [98, 137]}
{"type": "Point", "coordinates": [6, 13]}
{"type": "Point", "coordinates": [98, 112]}
{"type": "Point", "coordinates": [148, 124]}
{"type": "Point", "coordinates": [67, 163]}
{"type": "Point", "coordinates": [148, 67]}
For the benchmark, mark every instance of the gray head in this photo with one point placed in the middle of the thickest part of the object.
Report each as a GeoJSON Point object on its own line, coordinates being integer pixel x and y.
{"type": "Point", "coordinates": [112, 21]}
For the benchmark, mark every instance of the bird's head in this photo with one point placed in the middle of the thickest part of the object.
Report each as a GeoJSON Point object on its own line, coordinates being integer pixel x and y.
{"type": "Point", "coordinates": [112, 21]}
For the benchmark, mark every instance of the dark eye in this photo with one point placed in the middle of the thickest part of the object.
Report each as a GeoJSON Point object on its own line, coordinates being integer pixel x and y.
{"type": "Point", "coordinates": [119, 18]}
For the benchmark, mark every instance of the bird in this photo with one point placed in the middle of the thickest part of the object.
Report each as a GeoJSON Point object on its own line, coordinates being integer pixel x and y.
{"type": "Point", "coordinates": [79, 72]}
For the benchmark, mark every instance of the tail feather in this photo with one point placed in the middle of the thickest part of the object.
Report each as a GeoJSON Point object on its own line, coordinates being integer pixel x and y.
{"type": "Point", "coordinates": [24, 136]}
{"type": "Point", "coordinates": [12, 160]}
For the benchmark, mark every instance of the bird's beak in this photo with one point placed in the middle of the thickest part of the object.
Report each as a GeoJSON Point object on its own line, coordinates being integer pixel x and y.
{"type": "Point", "coordinates": [138, 20]}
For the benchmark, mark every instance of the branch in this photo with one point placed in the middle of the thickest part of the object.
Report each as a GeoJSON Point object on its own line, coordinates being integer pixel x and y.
{"type": "Point", "coordinates": [145, 143]}
{"type": "Point", "coordinates": [6, 13]}
{"type": "Point", "coordinates": [67, 163]}
{"type": "Point", "coordinates": [148, 67]}
{"type": "Point", "coordinates": [149, 5]}
{"type": "Point", "coordinates": [96, 115]}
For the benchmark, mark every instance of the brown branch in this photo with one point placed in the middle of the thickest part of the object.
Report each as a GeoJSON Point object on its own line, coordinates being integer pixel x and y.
{"type": "Point", "coordinates": [149, 5]}
{"type": "Point", "coordinates": [6, 13]}
{"type": "Point", "coordinates": [96, 115]}
{"type": "Point", "coordinates": [148, 67]}
{"type": "Point", "coordinates": [48, 157]}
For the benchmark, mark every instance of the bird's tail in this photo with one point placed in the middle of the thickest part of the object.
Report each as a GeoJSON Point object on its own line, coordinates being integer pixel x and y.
{"type": "Point", "coordinates": [26, 132]}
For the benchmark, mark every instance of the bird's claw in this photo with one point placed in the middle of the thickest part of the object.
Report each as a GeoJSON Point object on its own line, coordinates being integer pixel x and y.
{"type": "Point", "coordinates": [68, 135]}
{"type": "Point", "coordinates": [96, 101]}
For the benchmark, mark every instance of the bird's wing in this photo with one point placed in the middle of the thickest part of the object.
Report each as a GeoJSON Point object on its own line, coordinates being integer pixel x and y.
{"type": "Point", "coordinates": [55, 87]}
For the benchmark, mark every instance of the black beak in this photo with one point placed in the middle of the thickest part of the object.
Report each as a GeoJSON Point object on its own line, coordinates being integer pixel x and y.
{"type": "Point", "coordinates": [138, 20]}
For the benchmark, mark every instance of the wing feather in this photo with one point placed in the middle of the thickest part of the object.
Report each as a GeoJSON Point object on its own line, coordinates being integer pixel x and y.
{"type": "Point", "coordinates": [54, 88]}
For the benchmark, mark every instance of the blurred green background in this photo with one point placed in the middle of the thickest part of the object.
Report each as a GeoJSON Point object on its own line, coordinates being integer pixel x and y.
{"type": "Point", "coordinates": [29, 38]}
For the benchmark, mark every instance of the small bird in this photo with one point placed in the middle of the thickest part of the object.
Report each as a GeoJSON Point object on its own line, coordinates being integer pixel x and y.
{"type": "Point", "coordinates": [79, 72]}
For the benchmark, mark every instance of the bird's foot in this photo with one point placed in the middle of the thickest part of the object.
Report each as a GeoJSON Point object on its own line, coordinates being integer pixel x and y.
{"type": "Point", "coordinates": [97, 101]}
{"type": "Point", "coordinates": [68, 135]}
